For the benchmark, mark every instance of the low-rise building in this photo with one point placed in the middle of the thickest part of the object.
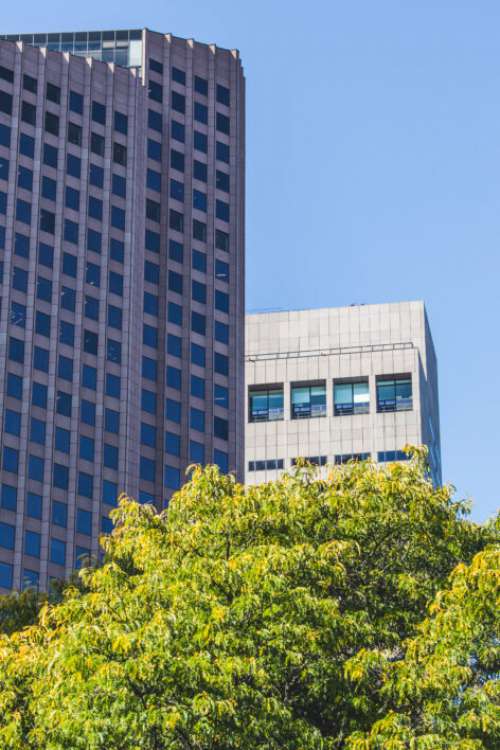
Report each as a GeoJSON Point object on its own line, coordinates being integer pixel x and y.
{"type": "Point", "coordinates": [337, 384]}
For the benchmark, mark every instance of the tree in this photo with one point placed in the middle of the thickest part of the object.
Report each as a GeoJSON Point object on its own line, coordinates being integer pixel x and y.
{"type": "Point", "coordinates": [242, 618]}
{"type": "Point", "coordinates": [445, 692]}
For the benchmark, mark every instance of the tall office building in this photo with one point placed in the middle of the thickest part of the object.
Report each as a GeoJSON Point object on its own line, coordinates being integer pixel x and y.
{"type": "Point", "coordinates": [122, 282]}
{"type": "Point", "coordinates": [338, 384]}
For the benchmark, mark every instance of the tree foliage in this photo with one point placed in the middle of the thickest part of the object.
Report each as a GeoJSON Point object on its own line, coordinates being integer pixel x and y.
{"type": "Point", "coordinates": [287, 615]}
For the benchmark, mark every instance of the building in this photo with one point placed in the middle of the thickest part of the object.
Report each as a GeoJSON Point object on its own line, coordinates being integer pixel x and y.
{"type": "Point", "coordinates": [122, 282]}
{"type": "Point", "coordinates": [337, 384]}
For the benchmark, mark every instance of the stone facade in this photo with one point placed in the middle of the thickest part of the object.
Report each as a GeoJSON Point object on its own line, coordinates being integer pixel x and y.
{"type": "Point", "coordinates": [122, 270]}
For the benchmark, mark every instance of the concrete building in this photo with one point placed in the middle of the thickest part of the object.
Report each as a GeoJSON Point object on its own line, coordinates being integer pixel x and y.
{"type": "Point", "coordinates": [337, 384]}
{"type": "Point", "coordinates": [122, 281]}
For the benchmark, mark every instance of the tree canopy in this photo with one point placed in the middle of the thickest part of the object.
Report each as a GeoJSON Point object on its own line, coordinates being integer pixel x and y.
{"type": "Point", "coordinates": [358, 611]}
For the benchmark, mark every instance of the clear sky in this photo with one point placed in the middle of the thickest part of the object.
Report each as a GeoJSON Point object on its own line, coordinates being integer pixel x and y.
{"type": "Point", "coordinates": [373, 163]}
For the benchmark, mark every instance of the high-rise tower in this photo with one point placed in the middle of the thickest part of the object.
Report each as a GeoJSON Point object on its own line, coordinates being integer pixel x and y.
{"type": "Point", "coordinates": [122, 282]}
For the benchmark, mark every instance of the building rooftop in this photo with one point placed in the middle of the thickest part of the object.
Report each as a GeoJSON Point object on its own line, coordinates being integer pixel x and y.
{"type": "Point", "coordinates": [121, 46]}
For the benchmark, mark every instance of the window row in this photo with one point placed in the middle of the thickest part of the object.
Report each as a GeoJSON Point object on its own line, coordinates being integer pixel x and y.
{"type": "Point", "coordinates": [308, 400]}
{"type": "Point", "coordinates": [339, 459]}
{"type": "Point", "coordinates": [200, 84]}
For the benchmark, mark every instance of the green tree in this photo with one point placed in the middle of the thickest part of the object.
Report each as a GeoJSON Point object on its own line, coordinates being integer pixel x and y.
{"type": "Point", "coordinates": [445, 692]}
{"type": "Point", "coordinates": [263, 617]}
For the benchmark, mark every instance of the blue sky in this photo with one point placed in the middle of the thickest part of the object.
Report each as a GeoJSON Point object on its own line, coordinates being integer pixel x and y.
{"type": "Point", "coordinates": [373, 164]}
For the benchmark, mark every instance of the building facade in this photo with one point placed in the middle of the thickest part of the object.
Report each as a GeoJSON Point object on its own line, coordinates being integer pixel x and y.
{"type": "Point", "coordinates": [337, 384]}
{"type": "Point", "coordinates": [122, 282]}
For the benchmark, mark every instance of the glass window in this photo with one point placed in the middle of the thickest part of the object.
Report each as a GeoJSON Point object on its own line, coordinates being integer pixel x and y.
{"type": "Point", "coordinates": [74, 133]}
{"type": "Point", "coordinates": [16, 350]}
{"type": "Point", "coordinates": [6, 575]}
{"type": "Point", "coordinates": [114, 351]}
{"type": "Point", "coordinates": [196, 452]}
{"type": "Point", "coordinates": [222, 123]}
{"type": "Point", "coordinates": [57, 552]}
{"type": "Point", "coordinates": [37, 431]}
{"type": "Point", "coordinates": [155, 91]}
{"type": "Point", "coordinates": [49, 188]}
{"type": "Point", "coordinates": [221, 428]}
{"type": "Point", "coordinates": [148, 434]}
{"type": "Point", "coordinates": [387, 456]}
{"type": "Point", "coordinates": [175, 251]}
{"type": "Point", "coordinates": [221, 301]}
{"type": "Point", "coordinates": [53, 93]}
{"type": "Point", "coordinates": [87, 448]}
{"type": "Point", "coordinates": [221, 363]}
{"type": "Point", "coordinates": [173, 410]}
{"type": "Point", "coordinates": [87, 412]}
{"type": "Point", "coordinates": [110, 455]}
{"type": "Point", "coordinates": [172, 478]}
{"type": "Point", "coordinates": [59, 514]}
{"type": "Point", "coordinates": [199, 261]}
{"type": "Point", "coordinates": [112, 421]}
{"type": "Point", "coordinates": [221, 459]}
{"type": "Point", "coordinates": [174, 313]}
{"type": "Point", "coordinates": [149, 369]}
{"type": "Point", "coordinates": [174, 377]}
{"type": "Point", "coordinates": [178, 131]}
{"type": "Point", "coordinates": [12, 422]}
{"type": "Point", "coordinates": [153, 181]}
{"type": "Point", "coordinates": [66, 333]}
{"type": "Point", "coordinates": [7, 535]}
{"type": "Point", "coordinates": [200, 142]}
{"type": "Point", "coordinates": [96, 176]}
{"type": "Point", "coordinates": [60, 476]}
{"type": "Point", "coordinates": [62, 439]}
{"type": "Point", "coordinates": [221, 270]}
{"type": "Point", "coordinates": [44, 289]}
{"type": "Point", "coordinates": [197, 419]}
{"type": "Point", "coordinates": [222, 152]}
{"type": "Point", "coordinates": [8, 497]}
{"type": "Point", "coordinates": [148, 401]}
{"type": "Point", "coordinates": [351, 398]}
{"type": "Point", "coordinates": [89, 377]}
{"type": "Point", "coordinates": [99, 113]}
{"type": "Point", "coordinates": [41, 359]}
{"type": "Point", "coordinates": [172, 444]}
{"type": "Point", "coordinates": [109, 492]}
{"type": "Point", "coordinates": [39, 395]}
{"type": "Point", "coordinates": [151, 272]}
{"type": "Point", "coordinates": [147, 469]}
{"type": "Point", "coordinates": [114, 317]}
{"type": "Point", "coordinates": [10, 460]}
{"type": "Point", "coordinates": [155, 121]}
{"type": "Point", "coordinates": [154, 150]}
{"type": "Point", "coordinates": [34, 505]}
{"type": "Point", "coordinates": [76, 102]}
{"type": "Point", "coordinates": [221, 332]}
{"type": "Point", "coordinates": [198, 355]}
{"type": "Point", "coordinates": [35, 468]}
{"type": "Point", "coordinates": [394, 393]}
{"type": "Point", "coordinates": [85, 484]}
{"type": "Point", "coordinates": [201, 85]}
{"type": "Point", "coordinates": [221, 397]}
{"type": "Point", "coordinates": [94, 240]}
{"type": "Point", "coordinates": [113, 385]}
{"type": "Point", "coordinates": [84, 521]}
{"type": "Point", "coordinates": [266, 404]}
{"type": "Point", "coordinates": [308, 401]}
{"type": "Point", "coordinates": [14, 386]}
{"type": "Point", "coordinates": [32, 543]}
